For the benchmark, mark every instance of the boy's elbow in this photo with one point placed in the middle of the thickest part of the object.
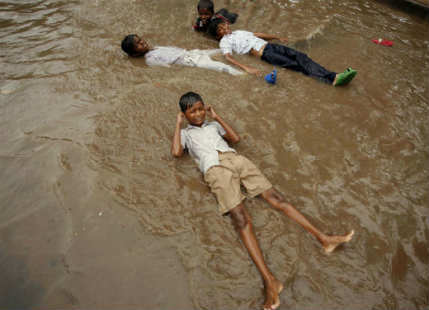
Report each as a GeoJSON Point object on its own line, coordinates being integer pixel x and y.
{"type": "Point", "coordinates": [176, 152]}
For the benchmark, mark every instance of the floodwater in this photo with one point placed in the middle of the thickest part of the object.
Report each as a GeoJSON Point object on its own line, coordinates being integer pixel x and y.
{"type": "Point", "coordinates": [96, 213]}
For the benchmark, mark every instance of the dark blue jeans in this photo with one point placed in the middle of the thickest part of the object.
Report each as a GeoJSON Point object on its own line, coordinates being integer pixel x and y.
{"type": "Point", "coordinates": [285, 57]}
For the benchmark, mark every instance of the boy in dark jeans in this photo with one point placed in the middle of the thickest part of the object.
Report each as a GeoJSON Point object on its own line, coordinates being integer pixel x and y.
{"type": "Point", "coordinates": [243, 42]}
{"type": "Point", "coordinates": [224, 170]}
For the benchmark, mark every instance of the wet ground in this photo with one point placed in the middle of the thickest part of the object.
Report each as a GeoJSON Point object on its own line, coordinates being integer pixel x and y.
{"type": "Point", "coordinates": [96, 213]}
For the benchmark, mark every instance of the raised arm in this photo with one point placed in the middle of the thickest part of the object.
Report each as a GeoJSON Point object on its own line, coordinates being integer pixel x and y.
{"type": "Point", "coordinates": [176, 146]}
{"type": "Point", "coordinates": [248, 69]}
{"type": "Point", "coordinates": [266, 36]}
{"type": "Point", "coordinates": [230, 135]}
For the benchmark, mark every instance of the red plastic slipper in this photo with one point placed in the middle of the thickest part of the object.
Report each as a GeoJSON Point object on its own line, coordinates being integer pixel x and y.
{"type": "Point", "coordinates": [382, 42]}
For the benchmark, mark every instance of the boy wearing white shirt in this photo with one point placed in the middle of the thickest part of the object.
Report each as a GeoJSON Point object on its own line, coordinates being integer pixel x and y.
{"type": "Point", "coordinates": [165, 56]}
{"type": "Point", "coordinates": [243, 42]}
{"type": "Point", "coordinates": [224, 170]}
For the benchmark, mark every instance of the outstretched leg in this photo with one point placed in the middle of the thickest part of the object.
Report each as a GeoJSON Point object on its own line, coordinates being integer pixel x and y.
{"type": "Point", "coordinates": [243, 224]}
{"type": "Point", "coordinates": [201, 59]}
{"type": "Point", "coordinates": [289, 58]}
{"type": "Point", "coordinates": [208, 63]}
{"type": "Point", "coordinates": [329, 243]}
{"type": "Point", "coordinates": [211, 52]}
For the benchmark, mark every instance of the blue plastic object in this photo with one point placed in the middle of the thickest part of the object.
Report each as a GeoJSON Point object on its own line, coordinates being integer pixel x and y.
{"type": "Point", "coordinates": [271, 77]}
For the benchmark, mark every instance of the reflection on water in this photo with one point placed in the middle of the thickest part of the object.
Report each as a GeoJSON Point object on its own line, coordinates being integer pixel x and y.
{"type": "Point", "coordinates": [353, 157]}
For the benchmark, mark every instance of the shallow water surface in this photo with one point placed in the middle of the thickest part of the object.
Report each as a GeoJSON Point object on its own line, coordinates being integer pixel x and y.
{"type": "Point", "coordinates": [86, 134]}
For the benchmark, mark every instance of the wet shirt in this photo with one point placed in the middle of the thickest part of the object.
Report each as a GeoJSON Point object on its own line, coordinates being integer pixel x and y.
{"type": "Point", "coordinates": [203, 143]}
{"type": "Point", "coordinates": [240, 42]}
{"type": "Point", "coordinates": [164, 55]}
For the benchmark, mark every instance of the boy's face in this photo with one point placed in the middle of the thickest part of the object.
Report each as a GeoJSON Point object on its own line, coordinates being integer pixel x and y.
{"type": "Point", "coordinates": [205, 15]}
{"type": "Point", "coordinates": [196, 114]}
{"type": "Point", "coordinates": [140, 45]}
{"type": "Point", "coordinates": [223, 29]}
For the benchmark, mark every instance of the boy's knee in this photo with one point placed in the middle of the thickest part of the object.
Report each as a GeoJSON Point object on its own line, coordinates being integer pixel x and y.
{"type": "Point", "coordinates": [240, 217]}
{"type": "Point", "coordinates": [273, 196]}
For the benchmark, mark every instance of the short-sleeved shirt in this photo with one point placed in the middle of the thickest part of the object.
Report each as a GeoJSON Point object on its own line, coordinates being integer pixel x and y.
{"type": "Point", "coordinates": [203, 143]}
{"type": "Point", "coordinates": [164, 55]}
{"type": "Point", "coordinates": [240, 42]}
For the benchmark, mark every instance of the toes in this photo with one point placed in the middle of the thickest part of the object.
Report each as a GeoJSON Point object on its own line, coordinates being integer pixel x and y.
{"type": "Point", "coordinates": [272, 306]}
{"type": "Point", "coordinates": [276, 305]}
{"type": "Point", "coordinates": [349, 236]}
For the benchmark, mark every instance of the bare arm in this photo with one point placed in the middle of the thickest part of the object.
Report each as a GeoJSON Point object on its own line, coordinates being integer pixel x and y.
{"type": "Point", "coordinates": [266, 36]}
{"type": "Point", "coordinates": [176, 146]}
{"type": "Point", "coordinates": [248, 69]}
{"type": "Point", "coordinates": [230, 135]}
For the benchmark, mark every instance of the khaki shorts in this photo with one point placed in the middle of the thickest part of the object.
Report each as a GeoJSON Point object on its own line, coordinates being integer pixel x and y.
{"type": "Point", "coordinates": [224, 180]}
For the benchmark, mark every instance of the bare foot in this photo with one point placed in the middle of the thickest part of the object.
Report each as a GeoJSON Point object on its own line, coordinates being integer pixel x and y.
{"type": "Point", "coordinates": [272, 291]}
{"type": "Point", "coordinates": [332, 242]}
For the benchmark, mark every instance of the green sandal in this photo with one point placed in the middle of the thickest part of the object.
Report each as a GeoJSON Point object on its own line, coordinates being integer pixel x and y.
{"type": "Point", "coordinates": [345, 77]}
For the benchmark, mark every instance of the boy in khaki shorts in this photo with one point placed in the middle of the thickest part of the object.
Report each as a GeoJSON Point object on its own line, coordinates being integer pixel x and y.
{"type": "Point", "coordinates": [224, 170]}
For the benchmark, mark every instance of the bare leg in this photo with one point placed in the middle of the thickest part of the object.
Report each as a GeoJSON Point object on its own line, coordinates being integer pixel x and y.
{"type": "Point", "coordinates": [243, 224]}
{"type": "Point", "coordinates": [329, 243]}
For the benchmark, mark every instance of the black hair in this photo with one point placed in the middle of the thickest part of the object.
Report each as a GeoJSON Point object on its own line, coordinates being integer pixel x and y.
{"type": "Point", "coordinates": [127, 44]}
{"type": "Point", "coordinates": [231, 17]}
{"type": "Point", "coordinates": [214, 23]}
{"type": "Point", "coordinates": [188, 100]}
{"type": "Point", "coordinates": [206, 4]}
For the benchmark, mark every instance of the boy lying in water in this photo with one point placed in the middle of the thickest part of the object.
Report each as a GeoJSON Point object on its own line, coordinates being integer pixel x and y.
{"type": "Point", "coordinates": [224, 170]}
{"type": "Point", "coordinates": [243, 42]}
{"type": "Point", "coordinates": [136, 46]}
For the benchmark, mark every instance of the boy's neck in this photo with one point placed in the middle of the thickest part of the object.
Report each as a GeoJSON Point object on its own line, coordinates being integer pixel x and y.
{"type": "Point", "coordinates": [197, 125]}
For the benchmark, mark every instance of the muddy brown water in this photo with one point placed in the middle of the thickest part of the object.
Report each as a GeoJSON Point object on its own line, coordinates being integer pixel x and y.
{"type": "Point", "coordinates": [95, 212]}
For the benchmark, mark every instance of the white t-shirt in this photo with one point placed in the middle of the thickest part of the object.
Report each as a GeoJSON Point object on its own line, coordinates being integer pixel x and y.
{"type": "Point", "coordinates": [240, 42]}
{"type": "Point", "coordinates": [203, 143]}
